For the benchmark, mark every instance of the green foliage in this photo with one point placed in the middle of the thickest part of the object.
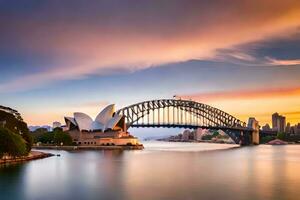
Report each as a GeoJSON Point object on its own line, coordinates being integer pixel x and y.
{"type": "Point", "coordinates": [46, 138]}
{"type": "Point", "coordinates": [61, 137]}
{"type": "Point", "coordinates": [11, 144]}
{"type": "Point", "coordinates": [207, 137]}
{"type": "Point", "coordinates": [17, 126]}
{"type": "Point", "coordinates": [56, 137]}
{"type": "Point", "coordinates": [281, 136]}
{"type": "Point", "coordinates": [266, 139]}
{"type": "Point", "coordinates": [215, 134]}
{"type": "Point", "coordinates": [57, 129]}
{"type": "Point", "coordinates": [38, 133]}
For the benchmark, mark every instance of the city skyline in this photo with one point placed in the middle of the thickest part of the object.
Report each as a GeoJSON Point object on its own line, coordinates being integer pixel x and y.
{"type": "Point", "coordinates": [57, 59]}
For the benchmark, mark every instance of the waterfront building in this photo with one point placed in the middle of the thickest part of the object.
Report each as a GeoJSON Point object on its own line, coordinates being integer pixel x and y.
{"type": "Point", "coordinates": [186, 135]}
{"type": "Point", "coordinates": [56, 125]}
{"type": "Point", "coordinates": [222, 133]}
{"type": "Point", "coordinates": [206, 132]}
{"type": "Point", "coordinates": [288, 128]}
{"type": "Point", "coordinates": [266, 128]}
{"type": "Point", "coordinates": [295, 130]}
{"type": "Point", "coordinates": [108, 128]}
{"type": "Point", "coordinates": [278, 122]}
{"type": "Point", "coordinates": [198, 134]}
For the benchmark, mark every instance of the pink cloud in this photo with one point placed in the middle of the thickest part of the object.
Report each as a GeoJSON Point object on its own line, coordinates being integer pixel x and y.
{"type": "Point", "coordinates": [135, 42]}
{"type": "Point", "coordinates": [274, 61]}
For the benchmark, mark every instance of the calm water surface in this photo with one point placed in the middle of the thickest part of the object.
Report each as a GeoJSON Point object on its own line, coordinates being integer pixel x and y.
{"type": "Point", "coordinates": [161, 171]}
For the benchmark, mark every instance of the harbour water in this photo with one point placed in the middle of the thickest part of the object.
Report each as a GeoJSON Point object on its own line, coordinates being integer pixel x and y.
{"type": "Point", "coordinates": [162, 171]}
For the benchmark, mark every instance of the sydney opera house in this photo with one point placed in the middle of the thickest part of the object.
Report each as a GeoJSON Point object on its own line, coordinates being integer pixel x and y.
{"type": "Point", "coordinates": [108, 128]}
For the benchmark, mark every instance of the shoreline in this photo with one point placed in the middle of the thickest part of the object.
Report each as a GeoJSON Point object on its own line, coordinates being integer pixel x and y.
{"type": "Point", "coordinates": [194, 141]}
{"type": "Point", "coordinates": [33, 155]}
{"type": "Point", "coordinates": [75, 148]}
{"type": "Point", "coordinates": [212, 142]}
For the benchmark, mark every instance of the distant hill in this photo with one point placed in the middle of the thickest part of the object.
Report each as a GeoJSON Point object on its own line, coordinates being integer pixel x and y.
{"type": "Point", "coordinates": [33, 128]}
{"type": "Point", "coordinates": [156, 137]}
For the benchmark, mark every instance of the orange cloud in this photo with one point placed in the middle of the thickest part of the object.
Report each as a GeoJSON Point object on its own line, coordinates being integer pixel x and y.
{"type": "Point", "coordinates": [244, 94]}
{"type": "Point", "coordinates": [259, 103]}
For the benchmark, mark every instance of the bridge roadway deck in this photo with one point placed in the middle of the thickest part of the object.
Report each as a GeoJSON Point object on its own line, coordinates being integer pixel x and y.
{"type": "Point", "coordinates": [189, 126]}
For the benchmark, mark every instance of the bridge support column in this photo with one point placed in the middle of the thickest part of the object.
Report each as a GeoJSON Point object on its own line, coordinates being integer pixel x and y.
{"type": "Point", "coordinates": [245, 138]}
{"type": "Point", "coordinates": [253, 124]}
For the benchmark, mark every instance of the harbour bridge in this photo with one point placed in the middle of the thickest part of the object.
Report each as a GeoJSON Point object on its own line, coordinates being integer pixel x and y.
{"type": "Point", "coordinates": [174, 113]}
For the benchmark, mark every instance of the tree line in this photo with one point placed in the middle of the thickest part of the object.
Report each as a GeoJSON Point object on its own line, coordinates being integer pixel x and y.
{"type": "Point", "coordinates": [55, 137]}
{"type": "Point", "coordinates": [280, 136]}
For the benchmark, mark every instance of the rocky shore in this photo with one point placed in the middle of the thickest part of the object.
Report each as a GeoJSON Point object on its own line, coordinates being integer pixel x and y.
{"type": "Point", "coordinates": [72, 148]}
{"type": "Point", "coordinates": [33, 155]}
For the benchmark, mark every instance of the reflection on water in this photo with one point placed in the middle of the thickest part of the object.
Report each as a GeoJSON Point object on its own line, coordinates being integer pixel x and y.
{"type": "Point", "coordinates": [162, 171]}
{"type": "Point", "coordinates": [185, 146]}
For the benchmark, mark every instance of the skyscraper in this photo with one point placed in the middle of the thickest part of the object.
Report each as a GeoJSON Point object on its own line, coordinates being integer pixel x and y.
{"type": "Point", "coordinates": [288, 128]}
{"type": "Point", "coordinates": [278, 122]}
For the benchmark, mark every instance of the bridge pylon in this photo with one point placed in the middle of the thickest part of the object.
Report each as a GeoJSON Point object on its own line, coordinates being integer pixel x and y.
{"type": "Point", "coordinates": [254, 125]}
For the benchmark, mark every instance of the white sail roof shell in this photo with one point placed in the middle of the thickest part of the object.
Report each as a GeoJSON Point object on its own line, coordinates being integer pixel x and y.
{"type": "Point", "coordinates": [104, 120]}
{"type": "Point", "coordinates": [83, 121]}
{"type": "Point", "coordinates": [106, 114]}
{"type": "Point", "coordinates": [97, 126]}
{"type": "Point", "coordinates": [71, 119]}
{"type": "Point", "coordinates": [113, 122]}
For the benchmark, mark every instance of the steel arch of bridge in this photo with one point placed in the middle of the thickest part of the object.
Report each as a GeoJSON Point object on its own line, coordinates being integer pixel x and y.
{"type": "Point", "coordinates": [178, 113]}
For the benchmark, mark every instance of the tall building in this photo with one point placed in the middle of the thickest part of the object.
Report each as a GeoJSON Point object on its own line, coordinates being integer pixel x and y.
{"type": "Point", "coordinates": [278, 122]}
{"type": "Point", "coordinates": [288, 128]}
{"type": "Point", "coordinates": [297, 129]}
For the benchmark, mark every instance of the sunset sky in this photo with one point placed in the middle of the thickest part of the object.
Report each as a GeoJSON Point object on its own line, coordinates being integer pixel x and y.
{"type": "Point", "coordinates": [59, 56]}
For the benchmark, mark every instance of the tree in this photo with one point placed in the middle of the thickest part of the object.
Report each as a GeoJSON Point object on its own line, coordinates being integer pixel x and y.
{"type": "Point", "coordinates": [207, 137]}
{"type": "Point", "coordinates": [17, 126]}
{"type": "Point", "coordinates": [215, 133]}
{"type": "Point", "coordinates": [38, 134]}
{"type": "Point", "coordinates": [280, 136]}
{"type": "Point", "coordinates": [46, 138]}
{"type": "Point", "coordinates": [266, 139]}
{"type": "Point", "coordinates": [57, 136]}
{"type": "Point", "coordinates": [11, 144]}
{"type": "Point", "coordinates": [61, 137]}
